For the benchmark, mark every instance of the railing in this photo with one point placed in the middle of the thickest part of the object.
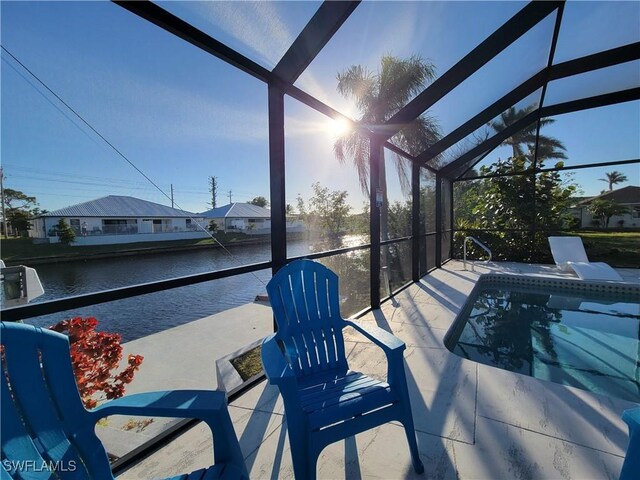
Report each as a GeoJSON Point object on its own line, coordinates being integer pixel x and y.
{"type": "Point", "coordinates": [24, 312]}
{"type": "Point", "coordinates": [480, 244]}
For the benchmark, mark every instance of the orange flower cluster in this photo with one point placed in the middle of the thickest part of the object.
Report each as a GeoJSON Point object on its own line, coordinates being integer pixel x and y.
{"type": "Point", "coordinates": [95, 357]}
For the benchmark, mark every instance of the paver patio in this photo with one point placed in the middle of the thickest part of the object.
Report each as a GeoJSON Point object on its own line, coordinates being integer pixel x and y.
{"type": "Point", "coordinates": [472, 420]}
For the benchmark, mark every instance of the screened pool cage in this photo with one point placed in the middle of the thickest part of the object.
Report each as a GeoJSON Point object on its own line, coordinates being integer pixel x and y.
{"type": "Point", "coordinates": [574, 63]}
{"type": "Point", "coordinates": [586, 62]}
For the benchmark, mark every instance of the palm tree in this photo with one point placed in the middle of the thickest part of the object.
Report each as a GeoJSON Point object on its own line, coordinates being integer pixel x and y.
{"type": "Point", "coordinates": [613, 178]}
{"type": "Point", "coordinates": [378, 96]}
{"type": "Point", "coordinates": [548, 147]}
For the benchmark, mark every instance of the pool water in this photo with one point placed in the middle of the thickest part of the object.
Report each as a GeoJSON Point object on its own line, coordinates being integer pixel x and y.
{"type": "Point", "coordinates": [583, 339]}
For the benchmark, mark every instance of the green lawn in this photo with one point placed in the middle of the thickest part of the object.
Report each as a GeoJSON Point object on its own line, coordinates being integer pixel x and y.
{"type": "Point", "coordinates": [619, 249]}
{"type": "Point", "coordinates": [21, 250]}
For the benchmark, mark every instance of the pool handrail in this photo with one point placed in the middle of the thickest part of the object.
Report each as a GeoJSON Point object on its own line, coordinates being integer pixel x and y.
{"type": "Point", "coordinates": [481, 245]}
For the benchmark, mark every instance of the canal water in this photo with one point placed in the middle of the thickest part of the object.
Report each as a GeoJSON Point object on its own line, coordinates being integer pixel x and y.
{"type": "Point", "coordinates": [146, 314]}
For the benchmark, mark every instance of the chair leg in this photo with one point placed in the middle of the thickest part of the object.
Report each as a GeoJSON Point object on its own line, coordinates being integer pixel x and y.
{"type": "Point", "coordinates": [300, 455]}
{"type": "Point", "coordinates": [410, 431]}
{"type": "Point", "coordinates": [312, 460]}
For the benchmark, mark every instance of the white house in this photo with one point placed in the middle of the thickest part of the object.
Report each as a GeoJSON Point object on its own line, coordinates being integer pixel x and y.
{"type": "Point", "coordinates": [246, 218]}
{"type": "Point", "coordinates": [626, 196]}
{"type": "Point", "coordinates": [119, 219]}
{"type": "Point", "coordinates": [240, 217]}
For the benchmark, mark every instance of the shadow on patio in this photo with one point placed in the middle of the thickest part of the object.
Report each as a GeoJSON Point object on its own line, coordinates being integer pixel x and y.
{"type": "Point", "coordinates": [472, 420]}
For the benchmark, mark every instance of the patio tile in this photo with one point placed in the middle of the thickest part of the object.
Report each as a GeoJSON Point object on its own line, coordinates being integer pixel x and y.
{"type": "Point", "coordinates": [506, 452]}
{"type": "Point", "coordinates": [472, 420]}
{"type": "Point", "coordinates": [193, 449]}
{"type": "Point", "coordinates": [443, 393]}
{"type": "Point", "coordinates": [378, 453]}
{"type": "Point", "coordinates": [442, 388]}
{"type": "Point", "coordinates": [262, 397]}
{"type": "Point", "coordinates": [559, 411]}
{"type": "Point", "coordinates": [420, 335]}
{"type": "Point", "coordinates": [427, 315]}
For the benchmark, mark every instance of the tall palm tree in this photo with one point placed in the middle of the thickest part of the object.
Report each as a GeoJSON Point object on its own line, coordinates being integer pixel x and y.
{"type": "Point", "coordinates": [378, 96]}
{"type": "Point", "coordinates": [613, 178]}
{"type": "Point", "coordinates": [548, 147]}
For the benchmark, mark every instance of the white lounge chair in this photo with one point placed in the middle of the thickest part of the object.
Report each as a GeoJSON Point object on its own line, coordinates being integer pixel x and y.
{"type": "Point", "coordinates": [569, 254]}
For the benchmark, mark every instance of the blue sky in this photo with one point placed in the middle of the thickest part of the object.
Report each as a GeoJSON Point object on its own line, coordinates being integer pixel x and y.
{"type": "Point", "coordinates": [181, 115]}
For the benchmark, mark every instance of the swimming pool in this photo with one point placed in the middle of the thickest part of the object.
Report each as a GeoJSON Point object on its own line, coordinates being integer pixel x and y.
{"type": "Point", "coordinates": [573, 333]}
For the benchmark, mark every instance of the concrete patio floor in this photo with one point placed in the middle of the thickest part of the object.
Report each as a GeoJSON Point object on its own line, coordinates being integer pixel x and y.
{"type": "Point", "coordinates": [472, 421]}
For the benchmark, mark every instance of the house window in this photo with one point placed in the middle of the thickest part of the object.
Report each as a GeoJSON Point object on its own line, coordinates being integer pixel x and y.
{"type": "Point", "coordinates": [636, 212]}
{"type": "Point", "coordinates": [74, 223]}
{"type": "Point", "coordinates": [119, 226]}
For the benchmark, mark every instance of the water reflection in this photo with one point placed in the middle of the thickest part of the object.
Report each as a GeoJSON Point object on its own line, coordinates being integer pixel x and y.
{"type": "Point", "coordinates": [139, 316]}
{"type": "Point", "coordinates": [588, 342]}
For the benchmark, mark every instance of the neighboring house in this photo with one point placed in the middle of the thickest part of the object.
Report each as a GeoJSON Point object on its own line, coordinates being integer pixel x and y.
{"type": "Point", "coordinates": [240, 217]}
{"type": "Point", "coordinates": [119, 219]}
{"type": "Point", "coordinates": [246, 218]}
{"type": "Point", "coordinates": [626, 196]}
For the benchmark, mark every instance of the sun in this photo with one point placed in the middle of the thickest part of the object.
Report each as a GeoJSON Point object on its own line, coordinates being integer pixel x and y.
{"type": "Point", "coordinates": [339, 127]}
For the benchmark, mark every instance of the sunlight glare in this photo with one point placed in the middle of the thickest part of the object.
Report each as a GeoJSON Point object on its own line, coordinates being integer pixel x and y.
{"type": "Point", "coordinates": [338, 127]}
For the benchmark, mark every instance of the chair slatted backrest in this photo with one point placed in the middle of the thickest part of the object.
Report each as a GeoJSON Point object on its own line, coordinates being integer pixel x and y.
{"type": "Point", "coordinates": [305, 302]}
{"type": "Point", "coordinates": [43, 419]}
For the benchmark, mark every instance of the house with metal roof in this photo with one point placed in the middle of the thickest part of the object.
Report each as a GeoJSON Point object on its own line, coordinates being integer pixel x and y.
{"type": "Point", "coordinates": [240, 217]}
{"type": "Point", "coordinates": [119, 219]}
{"type": "Point", "coordinates": [628, 197]}
{"type": "Point", "coordinates": [246, 218]}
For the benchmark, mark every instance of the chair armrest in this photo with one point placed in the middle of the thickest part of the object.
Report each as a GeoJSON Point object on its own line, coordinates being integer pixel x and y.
{"type": "Point", "coordinates": [385, 340]}
{"type": "Point", "coordinates": [170, 403]}
{"type": "Point", "coordinates": [392, 347]}
{"type": "Point", "coordinates": [210, 406]}
{"type": "Point", "coordinates": [275, 365]}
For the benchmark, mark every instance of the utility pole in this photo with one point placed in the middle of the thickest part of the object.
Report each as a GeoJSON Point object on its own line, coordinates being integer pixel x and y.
{"type": "Point", "coordinates": [213, 188]}
{"type": "Point", "coordinates": [4, 217]}
{"type": "Point", "coordinates": [229, 192]}
{"type": "Point", "coordinates": [172, 195]}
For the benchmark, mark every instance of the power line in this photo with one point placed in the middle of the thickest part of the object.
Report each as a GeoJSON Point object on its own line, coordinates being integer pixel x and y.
{"type": "Point", "coordinates": [113, 147]}
{"type": "Point", "coordinates": [108, 182]}
{"type": "Point", "coordinates": [122, 155]}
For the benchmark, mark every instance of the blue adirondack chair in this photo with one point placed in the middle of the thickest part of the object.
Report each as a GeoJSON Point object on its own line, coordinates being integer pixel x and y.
{"type": "Point", "coordinates": [324, 401]}
{"type": "Point", "coordinates": [45, 425]}
{"type": "Point", "coordinates": [631, 465]}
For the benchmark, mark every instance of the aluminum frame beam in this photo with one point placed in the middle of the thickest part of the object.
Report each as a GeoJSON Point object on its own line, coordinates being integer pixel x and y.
{"type": "Point", "coordinates": [585, 64]}
{"type": "Point", "coordinates": [315, 35]}
{"type": "Point", "coordinates": [175, 25]}
{"type": "Point", "coordinates": [549, 111]}
{"type": "Point", "coordinates": [499, 40]}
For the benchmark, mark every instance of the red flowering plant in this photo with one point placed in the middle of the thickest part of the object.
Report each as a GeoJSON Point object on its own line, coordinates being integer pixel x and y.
{"type": "Point", "coordinates": [95, 357]}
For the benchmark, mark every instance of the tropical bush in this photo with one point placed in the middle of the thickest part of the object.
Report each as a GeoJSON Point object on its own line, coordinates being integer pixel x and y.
{"type": "Point", "coordinates": [66, 234]}
{"type": "Point", "coordinates": [95, 357]}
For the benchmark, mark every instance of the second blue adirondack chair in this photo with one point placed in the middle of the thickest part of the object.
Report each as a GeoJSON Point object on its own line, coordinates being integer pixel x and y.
{"type": "Point", "coordinates": [47, 433]}
{"type": "Point", "coordinates": [631, 465]}
{"type": "Point", "coordinates": [324, 401]}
